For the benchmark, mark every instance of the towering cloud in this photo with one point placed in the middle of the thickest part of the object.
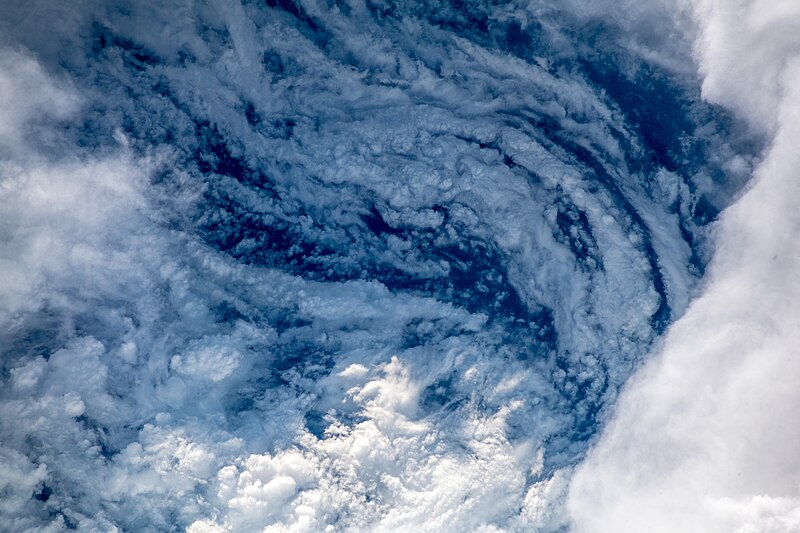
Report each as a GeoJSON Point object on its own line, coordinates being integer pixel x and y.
{"type": "Point", "coordinates": [705, 438]}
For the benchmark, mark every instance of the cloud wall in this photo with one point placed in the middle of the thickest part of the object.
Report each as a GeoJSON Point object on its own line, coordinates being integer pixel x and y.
{"type": "Point", "coordinates": [705, 438]}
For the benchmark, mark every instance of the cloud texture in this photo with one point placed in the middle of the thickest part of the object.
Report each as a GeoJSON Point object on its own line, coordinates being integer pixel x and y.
{"type": "Point", "coordinates": [354, 266]}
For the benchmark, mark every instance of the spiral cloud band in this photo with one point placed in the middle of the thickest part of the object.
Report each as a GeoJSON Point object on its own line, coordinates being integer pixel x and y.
{"type": "Point", "coordinates": [302, 265]}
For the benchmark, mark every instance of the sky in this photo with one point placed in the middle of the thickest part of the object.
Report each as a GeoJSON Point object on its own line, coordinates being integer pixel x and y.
{"type": "Point", "coordinates": [374, 266]}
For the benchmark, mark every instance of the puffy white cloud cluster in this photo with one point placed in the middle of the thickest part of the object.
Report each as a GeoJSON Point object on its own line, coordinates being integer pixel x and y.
{"type": "Point", "coordinates": [706, 438]}
{"type": "Point", "coordinates": [389, 472]}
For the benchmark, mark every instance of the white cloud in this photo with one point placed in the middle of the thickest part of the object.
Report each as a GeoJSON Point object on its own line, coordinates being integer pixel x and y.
{"type": "Point", "coordinates": [385, 473]}
{"type": "Point", "coordinates": [29, 98]}
{"type": "Point", "coordinates": [744, 48]}
{"type": "Point", "coordinates": [705, 438]}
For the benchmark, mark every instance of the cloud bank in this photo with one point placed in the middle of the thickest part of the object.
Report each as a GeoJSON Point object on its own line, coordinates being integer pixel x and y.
{"type": "Point", "coordinates": [705, 437]}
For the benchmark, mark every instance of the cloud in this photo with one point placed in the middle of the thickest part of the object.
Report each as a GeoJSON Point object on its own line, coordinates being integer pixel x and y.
{"type": "Point", "coordinates": [704, 437]}
{"type": "Point", "coordinates": [746, 48]}
{"type": "Point", "coordinates": [427, 479]}
{"type": "Point", "coordinates": [309, 266]}
{"type": "Point", "coordinates": [139, 376]}
{"type": "Point", "coordinates": [30, 98]}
